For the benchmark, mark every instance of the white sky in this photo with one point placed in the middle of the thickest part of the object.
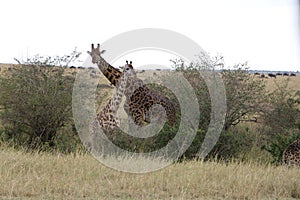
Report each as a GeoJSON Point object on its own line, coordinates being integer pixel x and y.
{"type": "Point", "coordinates": [265, 33]}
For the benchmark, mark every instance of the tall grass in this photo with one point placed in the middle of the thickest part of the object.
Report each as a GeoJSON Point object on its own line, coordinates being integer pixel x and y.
{"type": "Point", "coordinates": [75, 176]}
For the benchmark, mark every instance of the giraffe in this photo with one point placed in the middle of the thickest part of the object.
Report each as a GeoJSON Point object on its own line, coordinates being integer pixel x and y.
{"type": "Point", "coordinates": [291, 155]}
{"type": "Point", "coordinates": [139, 98]}
{"type": "Point", "coordinates": [107, 117]}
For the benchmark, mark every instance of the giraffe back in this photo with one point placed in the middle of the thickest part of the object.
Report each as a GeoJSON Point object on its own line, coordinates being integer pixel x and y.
{"type": "Point", "coordinates": [140, 100]}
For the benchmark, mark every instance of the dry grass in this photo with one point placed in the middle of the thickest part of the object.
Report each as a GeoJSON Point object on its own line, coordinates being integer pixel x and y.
{"type": "Point", "coordinates": [56, 176]}
{"type": "Point", "coordinates": [294, 82]}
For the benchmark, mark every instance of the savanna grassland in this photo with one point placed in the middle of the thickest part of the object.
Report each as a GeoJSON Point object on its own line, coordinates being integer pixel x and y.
{"type": "Point", "coordinates": [293, 84]}
{"type": "Point", "coordinates": [78, 175]}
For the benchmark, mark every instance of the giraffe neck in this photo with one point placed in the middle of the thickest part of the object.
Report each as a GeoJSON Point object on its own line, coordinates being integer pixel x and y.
{"type": "Point", "coordinates": [111, 73]}
{"type": "Point", "coordinates": [116, 100]}
{"type": "Point", "coordinates": [133, 83]}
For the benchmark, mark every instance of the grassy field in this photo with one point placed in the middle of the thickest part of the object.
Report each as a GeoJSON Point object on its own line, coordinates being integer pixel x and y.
{"type": "Point", "coordinates": [78, 176]}
{"type": "Point", "coordinates": [293, 82]}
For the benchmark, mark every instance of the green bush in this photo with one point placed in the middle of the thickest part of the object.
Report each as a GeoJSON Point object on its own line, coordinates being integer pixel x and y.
{"type": "Point", "coordinates": [67, 140]}
{"type": "Point", "coordinates": [244, 93]}
{"type": "Point", "coordinates": [231, 144]}
{"type": "Point", "coordinates": [279, 143]}
{"type": "Point", "coordinates": [36, 102]}
{"type": "Point", "coordinates": [282, 112]}
{"type": "Point", "coordinates": [244, 97]}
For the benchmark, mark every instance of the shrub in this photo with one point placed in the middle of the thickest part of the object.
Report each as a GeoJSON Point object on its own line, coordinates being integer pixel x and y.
{"type": "Point", "coordinates": [244, 93]}
{"type": "Point", "coordinates": [282, 112]}
{"type": "Point", "coordinates": [244, 96]}
{"type": "Point", "coordinates": [279, 143]}
{"type": "Point", "coordinates": [36, 102]}
{"type": "Point", "coordinates": [231, 144]}
{"type": "Point", "coordinates": [66, 140]}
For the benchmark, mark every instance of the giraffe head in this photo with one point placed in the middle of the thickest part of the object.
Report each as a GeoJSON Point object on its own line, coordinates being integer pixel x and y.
{"type": "Point", "coordinates": [111, 73]}
{"type": "Point", "coordinates": [95, 53]}
{"type": "Point", "coordinates": [128, 68]}
{"type": "Point", "coordinates": [128, 73]}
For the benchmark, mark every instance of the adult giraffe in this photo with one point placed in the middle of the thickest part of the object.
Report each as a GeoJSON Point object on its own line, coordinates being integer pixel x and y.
{"type": "Point", "coordinates": [107, 118]}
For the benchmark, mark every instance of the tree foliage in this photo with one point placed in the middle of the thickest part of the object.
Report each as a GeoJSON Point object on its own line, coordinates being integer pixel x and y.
{"type": "Point", "coordinates": [57, 61]}
{"type": "Point", "coordinates": [279, 142]}
{"type": "Point", "coordinates": [245, 95]}
{"type": "Point", "coordinates": [36, 101]}
{"type": "Point", "coordinates": [282, 112]}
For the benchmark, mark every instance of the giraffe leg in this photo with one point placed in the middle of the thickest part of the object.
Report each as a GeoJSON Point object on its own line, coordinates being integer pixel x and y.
{"type": "Point", "coordinates": [93, 134]}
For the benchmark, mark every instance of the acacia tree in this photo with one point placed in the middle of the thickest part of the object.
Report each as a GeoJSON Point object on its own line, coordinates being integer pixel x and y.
{"type": "Point", "coordinates": [282, 112]}
{"type": "Point", "coordinates": [36, 101]}
{"type": "Point", "coordinates": [245, 95]}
